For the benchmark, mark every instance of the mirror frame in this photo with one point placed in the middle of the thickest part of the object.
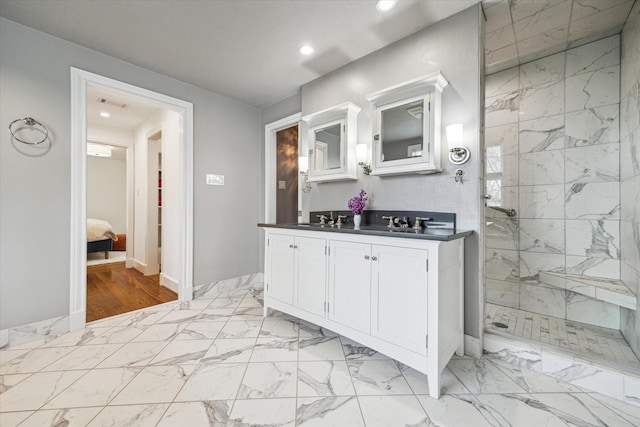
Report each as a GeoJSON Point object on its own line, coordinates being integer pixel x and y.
{"type": "Point", "coordinates": [429, 88]}
{"type": "Point", "coordinates": [426, 125]}
{"type": "Point", "coordinates": [312, 146]}
{"type": "Point", "coordinates": [346, 114]}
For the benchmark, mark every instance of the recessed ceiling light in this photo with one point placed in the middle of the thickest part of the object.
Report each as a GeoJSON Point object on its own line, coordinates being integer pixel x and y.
{"type": "Point", "coordinates": [306, 50]}
{"type": "Point", "coordinates": [105, 114]}
{"type": "Point", "coordinates": [385, 5]}
{"type": "Point", "coordinates": [98, 150]}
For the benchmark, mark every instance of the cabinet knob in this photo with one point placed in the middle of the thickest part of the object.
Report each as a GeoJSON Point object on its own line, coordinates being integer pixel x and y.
{"type": "Point", "coordinates": [374, 258]}
{"type": "Point", "coordinates": [295, 246]}
{"type": "Point", "coordinates": [366, 257]}
{"type": "Point", "coordinates": [291, 246]}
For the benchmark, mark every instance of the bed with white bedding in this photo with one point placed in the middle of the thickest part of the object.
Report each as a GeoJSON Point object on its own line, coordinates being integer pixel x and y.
{"type": "Point", "coordinates": [100, 236]}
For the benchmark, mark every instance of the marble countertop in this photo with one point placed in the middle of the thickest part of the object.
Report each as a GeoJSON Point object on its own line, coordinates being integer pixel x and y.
{"type": "Point", "coordinates": [443, 234]}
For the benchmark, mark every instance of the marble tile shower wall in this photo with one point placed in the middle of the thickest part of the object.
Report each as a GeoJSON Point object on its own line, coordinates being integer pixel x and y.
{"type": "Point", "coordinates": [553, 153]}
{"type": "Point", "coordinates": [630, 171]}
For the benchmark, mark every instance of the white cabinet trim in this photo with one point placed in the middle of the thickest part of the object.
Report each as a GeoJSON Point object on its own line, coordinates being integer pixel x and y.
{"type": "Point", "coordinates": [429, 88]}
{"type": "Point", "coordinates": [347, 114]}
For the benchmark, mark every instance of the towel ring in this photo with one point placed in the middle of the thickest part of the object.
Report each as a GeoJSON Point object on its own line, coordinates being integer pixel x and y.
{"type": "Point", "coordinates": [29, 122]}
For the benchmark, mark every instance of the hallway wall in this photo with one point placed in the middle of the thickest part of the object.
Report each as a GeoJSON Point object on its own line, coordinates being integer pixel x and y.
{"type": "Point", "coordinates": [35, 187]}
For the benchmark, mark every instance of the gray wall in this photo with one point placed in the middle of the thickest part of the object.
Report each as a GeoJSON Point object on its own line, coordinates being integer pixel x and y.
{"type": "Point", "coordinates": [107, 190]}
{"type": "Point", "coordinates": [453, 47]}
{"type": "Point", "coordinates": [35, 183]}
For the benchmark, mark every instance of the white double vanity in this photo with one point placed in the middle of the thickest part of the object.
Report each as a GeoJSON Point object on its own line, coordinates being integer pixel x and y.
{"type": "Point", "coordinates": [397, 291]}
{"type": "Point", "coordinates": [393, 287]}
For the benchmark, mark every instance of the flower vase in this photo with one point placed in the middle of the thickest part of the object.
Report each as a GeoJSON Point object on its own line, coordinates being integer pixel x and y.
{"type": "Point", "coordinates": [357, 219]}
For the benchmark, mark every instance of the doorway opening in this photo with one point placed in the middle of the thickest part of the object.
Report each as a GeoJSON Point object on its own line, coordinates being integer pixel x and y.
{"type": "Point", "coordinates": [171, 225]}
{"type": "Point", "coordinates": [283, 194]}
{"type": "Point", "coordinates": [287, 175]}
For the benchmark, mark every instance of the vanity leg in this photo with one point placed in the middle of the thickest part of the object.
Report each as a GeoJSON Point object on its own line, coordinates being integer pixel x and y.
{"type": "Point", "coordinates": [434, 385]}
{"type": "Point", "coordinates": [267, 311]}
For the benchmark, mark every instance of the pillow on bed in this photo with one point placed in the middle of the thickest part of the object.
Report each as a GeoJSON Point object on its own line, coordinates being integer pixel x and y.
{"type": "Point", "coordinates": [99, 230]}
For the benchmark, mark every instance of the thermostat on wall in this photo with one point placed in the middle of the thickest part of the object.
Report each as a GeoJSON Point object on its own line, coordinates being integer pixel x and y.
{"type": "Point", "coordinates": [215, 179]}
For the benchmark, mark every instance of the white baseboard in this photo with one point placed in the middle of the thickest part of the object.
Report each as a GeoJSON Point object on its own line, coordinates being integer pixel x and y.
{"type": "Point", "coordinates": [44, 330]}
{"type": "Point", "coordinates": [77, 320]}
{"type": "Point", "coordinates": [140, 266]}
{"type": "Point", "coordinates": [4, 338]}
{"type": "Point", "coordinates": [145, 269]}
{"type": "Point", "coordinates": [169, 282]}
{"type": "Point", "coordinates": [472, 346]}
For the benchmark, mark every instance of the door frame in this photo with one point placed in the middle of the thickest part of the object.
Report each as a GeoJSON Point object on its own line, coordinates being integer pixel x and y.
{"type": "Point", "coordinates": [270, 166]}
{"type": "Point", "coordinates": [78, 229]}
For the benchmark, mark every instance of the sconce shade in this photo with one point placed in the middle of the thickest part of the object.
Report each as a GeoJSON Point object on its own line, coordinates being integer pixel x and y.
{"type": "Point", "coordinates": [458, 154]}
{"type": "Point", "coordinates": [361, 153]}
{"type": "Point", "coordinates": [303, 164]}
{"type": "Point", "coordinates": [454, 135]}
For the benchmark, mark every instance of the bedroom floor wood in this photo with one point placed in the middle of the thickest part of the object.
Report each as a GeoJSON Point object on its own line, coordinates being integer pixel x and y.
{"type": "Point", "coordinates": [114, 289]}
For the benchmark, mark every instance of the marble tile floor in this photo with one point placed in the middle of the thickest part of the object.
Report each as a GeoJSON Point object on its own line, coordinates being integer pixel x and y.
{"type": "Point", "coordinates": [592, 341]}
{"type": "Point", "coordinates": [217, 362]}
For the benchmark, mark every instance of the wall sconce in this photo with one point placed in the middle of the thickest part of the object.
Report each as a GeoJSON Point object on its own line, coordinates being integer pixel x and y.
{"type": "Point", "coordinates": [361, 155]}
{"type": "Point", "coordinates": [458, 153]}
{"type": "Point", "coordinates": [303, 167]}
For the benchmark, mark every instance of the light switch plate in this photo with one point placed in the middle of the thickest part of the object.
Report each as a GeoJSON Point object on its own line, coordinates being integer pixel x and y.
{"type": "Point", "coordinates": [215, 179]}
{"type": "Point", "coordinates": [282, 185]}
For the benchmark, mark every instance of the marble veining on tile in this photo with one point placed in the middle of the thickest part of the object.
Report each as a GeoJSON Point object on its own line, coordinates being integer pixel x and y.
{"type": "Point", "coordinates": [542, 101]}
{"type": "Point", "coordinates": [599, 200]}
{"type": "Point", "coordinates": [542, 201]}
{"type": "Point", "coordinates": [598, 125]}
{"type": "Point", "coordinates": [595, 163]}
{"type": "Point", "coordinates": [502, 109]}
{"type": "Point", "coordinates": [291, 373]}
{"type": "Point", "coordinates": [594, 89]}
{"type": "Point", "coordinates": [593, 238]}
{"type": "Point", "coordinates": [547, 133]}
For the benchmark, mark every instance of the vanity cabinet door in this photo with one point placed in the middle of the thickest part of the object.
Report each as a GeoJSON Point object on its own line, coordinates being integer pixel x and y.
{"type": "Point", "coordinates": [281, 262]}
{"type": "Point", "coordinates": [311, 275]}
{"type": "Point", "coordinates": [349, 284]}
{"type": "Point", "coordinates": [399, 296]}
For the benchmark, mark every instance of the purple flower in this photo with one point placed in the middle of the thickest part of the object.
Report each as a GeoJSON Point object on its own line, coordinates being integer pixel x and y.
{"type": "Point", "coordinates": [357, 203]}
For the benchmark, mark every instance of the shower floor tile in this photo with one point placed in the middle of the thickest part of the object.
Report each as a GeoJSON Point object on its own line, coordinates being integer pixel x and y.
{"type": "Point", "coordinates": [593, 341]}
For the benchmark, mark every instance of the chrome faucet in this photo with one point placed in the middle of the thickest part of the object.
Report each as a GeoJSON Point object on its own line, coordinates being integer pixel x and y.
{"type": "Point", "coordinates": [323, 219]}
{"type": "Point", "coordinates": [340, 218]}
{"type": "Point", "coordinates": [417, 226]}
{"type": "Point", "coordinates": [391, 220]}
{"type": "Point", "coordinates": [402, 222]}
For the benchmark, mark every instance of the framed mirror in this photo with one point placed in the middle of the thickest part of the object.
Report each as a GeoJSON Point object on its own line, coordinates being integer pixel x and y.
{"type": "Point", "coordinates": [403, 127]}
{"type": "Point", "coordinates": [331, 139]}
{"type": "Point", "coordinates": [406, 131]}
{"type": "Point", "coordinates": [327, 150]}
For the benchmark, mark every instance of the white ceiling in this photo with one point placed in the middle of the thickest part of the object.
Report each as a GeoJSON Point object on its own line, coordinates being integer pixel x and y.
{"type": "Point", "coordinates": [244, 49]}
{"type": "Point", "coordinates": [125, 112]}
{"type": "Point", "coordinates": [248, 49]}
